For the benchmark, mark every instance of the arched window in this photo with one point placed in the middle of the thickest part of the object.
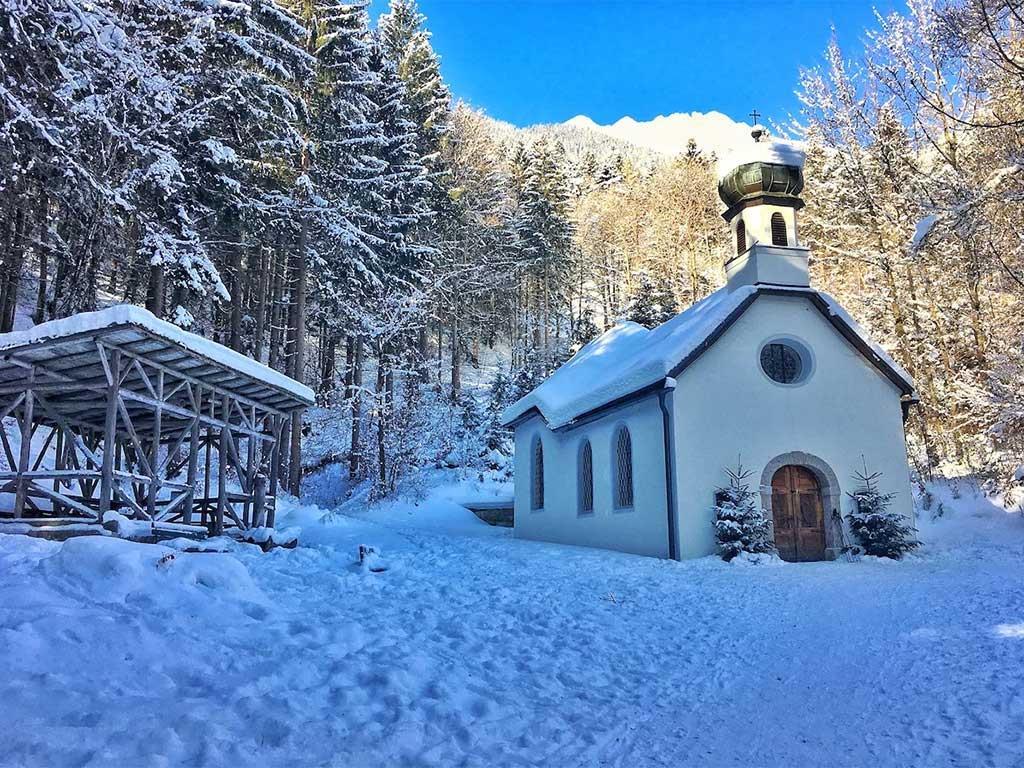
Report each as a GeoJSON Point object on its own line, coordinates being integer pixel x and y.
{"type": "Point", "coordinates": [537, 479]}
{"type": "Point", "coordinates": [586, 479]}
{"type": "Point", "coordinates": [779, 236]}
{"type": "Point", "coordinates": [741, 237]}
{"type": "Point", "coordinates": [623, 469]}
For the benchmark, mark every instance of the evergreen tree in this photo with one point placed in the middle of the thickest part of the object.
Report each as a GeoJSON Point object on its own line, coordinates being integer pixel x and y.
{"type": "Point", "coordinates": [741, 524]}
{"type": "Point", "coordinates": [652, 303]}
{"type": "Point", "coordinates": [406, 42]}
{"type": "Point", "coordinates": [585, 330]}
{"type": "Point", "coordinates": [879, 530]}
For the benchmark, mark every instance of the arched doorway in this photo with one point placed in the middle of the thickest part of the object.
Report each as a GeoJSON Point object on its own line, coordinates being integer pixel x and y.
{"type": "Point", "coordinates": [798, 514]}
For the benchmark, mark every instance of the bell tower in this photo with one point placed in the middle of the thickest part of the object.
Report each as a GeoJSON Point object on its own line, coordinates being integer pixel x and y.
{"type": "Point", "coordinates": [761, 185]}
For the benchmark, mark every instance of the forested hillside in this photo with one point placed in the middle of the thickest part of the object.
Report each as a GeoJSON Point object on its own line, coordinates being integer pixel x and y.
{"type": "Point", "coordinates": [301, 186]}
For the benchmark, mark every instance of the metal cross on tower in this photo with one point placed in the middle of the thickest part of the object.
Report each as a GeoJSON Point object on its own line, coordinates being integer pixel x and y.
{"type": "Point", "coordinates": [755, 115]}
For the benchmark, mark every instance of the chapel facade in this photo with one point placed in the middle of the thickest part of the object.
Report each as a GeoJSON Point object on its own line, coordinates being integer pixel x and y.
{"type": "Point", "coordinates": [625, 446]}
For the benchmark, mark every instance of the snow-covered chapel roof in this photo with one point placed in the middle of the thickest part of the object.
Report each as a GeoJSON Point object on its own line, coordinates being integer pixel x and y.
{"type": "Point", "coordinates": [629, 359]}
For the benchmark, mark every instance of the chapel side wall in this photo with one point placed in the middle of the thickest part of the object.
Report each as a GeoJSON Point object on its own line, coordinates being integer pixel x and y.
{"type": "Point", "coordinates": [642, 530]}
{"type": "Point", "coordinates": [726, 407]}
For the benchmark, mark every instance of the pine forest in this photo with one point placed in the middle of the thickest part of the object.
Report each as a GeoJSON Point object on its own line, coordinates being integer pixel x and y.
{"type": "Point", "coordinates": [295, 183]}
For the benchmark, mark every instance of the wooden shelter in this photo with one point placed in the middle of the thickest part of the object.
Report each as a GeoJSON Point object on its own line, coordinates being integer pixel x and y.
{"type": "Point", "coordinates": [120, 411]}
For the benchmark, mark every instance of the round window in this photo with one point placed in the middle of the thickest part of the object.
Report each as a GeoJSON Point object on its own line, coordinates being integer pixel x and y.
{"type": "Point", "coordinates": [782, 362]}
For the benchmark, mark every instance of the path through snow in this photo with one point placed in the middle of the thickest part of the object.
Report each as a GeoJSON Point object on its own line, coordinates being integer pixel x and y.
{"type": "Point", "coordinates": [476, 649]}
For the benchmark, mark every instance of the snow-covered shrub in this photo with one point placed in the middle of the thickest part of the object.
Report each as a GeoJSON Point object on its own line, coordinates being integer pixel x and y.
{"type": "Point", "coordinates": [879, 530]}
{"type": "Point", "coordinates": [741, 524]}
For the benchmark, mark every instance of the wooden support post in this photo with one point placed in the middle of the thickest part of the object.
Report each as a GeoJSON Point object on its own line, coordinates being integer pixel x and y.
{"type": "Point", "coordinates": [222, 452]}
{"type": "Point", "coordinates": [154, 449]}
{"type": "Point", "coordinates": [206, 471]}
{"type": "Point", "coordinates": [251, 470]}
{"type": "Point", "coordinates": [193, 457]}
{"type": "Point", "coordinates": [295, 454]}
{"type": "Point", "coordinates": [275, 468]}
{"type": "Point", "coordinates": [24, 450]}
{"type": "Point", "coordinates": [259, 500]}
{"type": "Point", "coordinates": [110, 432]}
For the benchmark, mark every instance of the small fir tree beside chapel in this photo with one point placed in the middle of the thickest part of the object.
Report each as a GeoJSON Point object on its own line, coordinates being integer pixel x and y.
{"type": "Point", "coordinates": [878, 529]}
{"type": "Point", "coordinates": [741, 524]}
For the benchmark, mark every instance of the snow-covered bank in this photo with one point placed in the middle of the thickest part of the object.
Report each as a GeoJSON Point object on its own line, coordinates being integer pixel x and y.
{"type": "Point", "coordinates": [483, 650]}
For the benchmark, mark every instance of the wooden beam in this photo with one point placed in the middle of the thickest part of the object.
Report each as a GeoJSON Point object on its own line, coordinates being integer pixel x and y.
{"type": "Point", "coordinates": [11, 406]}
{"type": "Point", "coordinates": [140, 451]}
{"type": "Point", "coordinates": [213, 383]}
{"type": "Point", "coordinates": [24, 450]}
{"type": "Point", "coordinates": [210, 420]}
{"type": "Point", "coordinates": [63, 423]}
{"type": "Point", "coordinates": [8, 451]}
{"type": "Point", "coordinates": [154, 459]}
{"type": "Point", "coordinates": [193, 453]}
{"type": "Point", "coordinates": [46, 445]}
{"type": "Point", "coordinates": [275, 465]}
{"type": "Point", "coordinates": [66, 501]}
{"type": "Point", "coordinates": [222, 491]}
{"type": "Point", "coordinates": [109, 429]}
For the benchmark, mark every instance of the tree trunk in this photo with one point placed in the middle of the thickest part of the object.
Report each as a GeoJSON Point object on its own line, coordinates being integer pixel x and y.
{"type": "Point", "coordinates": [298, 361]}
{"type": "Point", "coordinates": [260, 303]}
{"type": "Point", "coordinates": [236, 247]}
{"type": "Point", "coordinates": [456, 360]}
{"type": "Point", "coordinates": [356, 398]}
{"type": "Point", "coordinates": [422, 351]}
{"type": "Point", "coordinates": [132, 267]}
{"type": "Point", "coordinates": [276, 301]}
{"type": "Point", "coordinates": [329, 369]}
{"type": "Point", "coordinates": [14, 263]}
{"type": "Point", "coordinates": [155, 291]}
{"type": "Point", "coordinates": [382, 420]}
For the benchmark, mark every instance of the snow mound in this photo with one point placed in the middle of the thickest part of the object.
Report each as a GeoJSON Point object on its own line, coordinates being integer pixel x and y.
{"type": "Point", "coordinates": [111, 570]}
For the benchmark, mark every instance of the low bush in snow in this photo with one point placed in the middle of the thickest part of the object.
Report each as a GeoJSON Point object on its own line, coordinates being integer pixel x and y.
{"type": "Point", "coordinates": [741, 524]}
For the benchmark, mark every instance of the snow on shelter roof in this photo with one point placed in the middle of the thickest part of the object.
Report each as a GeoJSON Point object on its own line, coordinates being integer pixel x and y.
{"type": "Point", "coordinates": [629, 359]}
{"type": "Point", "coordinates": [72, 340]}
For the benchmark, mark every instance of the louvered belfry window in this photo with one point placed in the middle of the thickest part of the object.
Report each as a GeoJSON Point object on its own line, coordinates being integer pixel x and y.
{"type": "Point", "coordinates": [537, 488]}
{"type": "Point", "coordinates": [586, 479]}
{"type": "Point", "coordinates": [779, 236]}
{"type": "Point", "coordinates": [623, 470]}
{"type": "Point", "coordinates": [741, 237]}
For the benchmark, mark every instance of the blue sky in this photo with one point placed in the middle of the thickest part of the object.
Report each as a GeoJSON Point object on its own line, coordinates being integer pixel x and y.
{"type": "Point", "coordinates": [536, 61]}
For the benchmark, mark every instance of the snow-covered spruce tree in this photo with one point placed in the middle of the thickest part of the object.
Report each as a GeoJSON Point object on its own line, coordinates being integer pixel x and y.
{"type": "Point", "coordinates": [879, 530]}
{"type": "Point", "coordinates": [651, 303]}
{"type": "Point", "coordinates": [585, 331]}
{"type": "Point", "coordinates": [741, 524]}
{"type": "Point", "coordinates": [405, 43]}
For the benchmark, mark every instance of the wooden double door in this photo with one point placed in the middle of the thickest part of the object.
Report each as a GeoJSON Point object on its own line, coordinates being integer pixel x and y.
{"type": "Point", "coordinates": [798, 514]}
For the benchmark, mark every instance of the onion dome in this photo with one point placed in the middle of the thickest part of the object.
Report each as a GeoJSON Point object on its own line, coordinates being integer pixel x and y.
{"type": "Point", "coordinates": [763, 171]}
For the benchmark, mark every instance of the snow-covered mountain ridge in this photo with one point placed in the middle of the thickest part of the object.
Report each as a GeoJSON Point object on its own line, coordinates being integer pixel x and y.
{"type": "Point", "coordinates": [670, 134]}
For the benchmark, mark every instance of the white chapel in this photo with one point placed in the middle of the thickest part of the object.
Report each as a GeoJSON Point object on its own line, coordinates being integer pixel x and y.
{"type": "Point", "coordinates": [625, 445]}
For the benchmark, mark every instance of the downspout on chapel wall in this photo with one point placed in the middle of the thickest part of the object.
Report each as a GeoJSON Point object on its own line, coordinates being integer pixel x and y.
{"type": "Point", "coordinates": [668, 432]}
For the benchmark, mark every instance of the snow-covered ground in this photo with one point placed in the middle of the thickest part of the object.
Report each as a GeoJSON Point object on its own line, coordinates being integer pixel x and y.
{"type": "Point", "coordinates": [477, 649]}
